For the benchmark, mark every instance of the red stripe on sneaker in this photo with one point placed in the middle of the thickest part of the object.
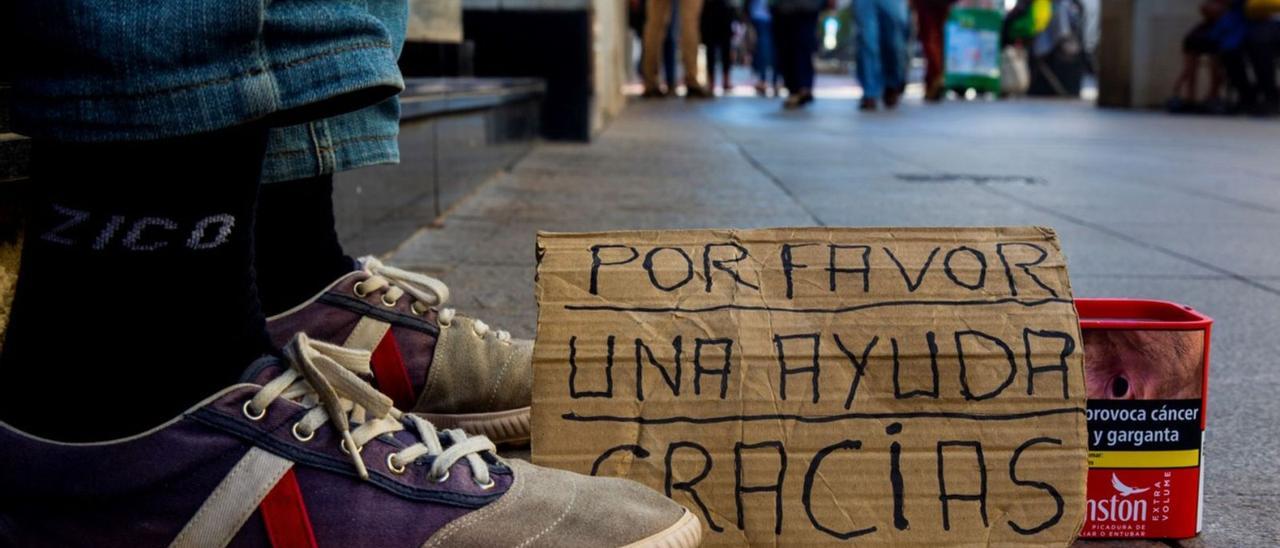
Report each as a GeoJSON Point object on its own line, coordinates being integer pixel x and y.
{"type": "Point", "coordinates": [390, 373]}
{"type": "Point", "coordinates": [285, 515]}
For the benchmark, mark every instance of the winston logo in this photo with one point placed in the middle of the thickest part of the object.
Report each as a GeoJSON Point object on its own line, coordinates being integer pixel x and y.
{"type": "Point", "coordinates": [1119, 508]}
{"type": "Point", "coordinates": [1125, 490]}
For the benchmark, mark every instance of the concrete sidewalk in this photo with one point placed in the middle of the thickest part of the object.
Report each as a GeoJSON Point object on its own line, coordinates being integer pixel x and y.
{"type": "Point", "coordinates": [1147, 205]}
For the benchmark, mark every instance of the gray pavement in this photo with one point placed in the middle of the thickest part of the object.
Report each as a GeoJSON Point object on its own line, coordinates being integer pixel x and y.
{"type": "Point", "coordinates": [1147, 205]}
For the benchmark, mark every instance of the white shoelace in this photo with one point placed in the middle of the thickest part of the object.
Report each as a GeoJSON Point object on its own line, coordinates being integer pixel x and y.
{"type": "Point", "coordinates": [326, 377]}
{"type": "Point", "coordinates": [426, 291]}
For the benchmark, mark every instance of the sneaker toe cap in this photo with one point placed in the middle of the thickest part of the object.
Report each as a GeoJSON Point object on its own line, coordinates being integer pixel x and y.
{"type": "Point", "coordinates": [550, 507]}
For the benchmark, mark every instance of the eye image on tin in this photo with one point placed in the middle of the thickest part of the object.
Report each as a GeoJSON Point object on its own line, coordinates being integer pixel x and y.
{"type": "Point", "coordinates": [1143, 364]}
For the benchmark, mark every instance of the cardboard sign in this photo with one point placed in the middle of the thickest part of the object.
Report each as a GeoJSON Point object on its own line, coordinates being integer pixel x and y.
{"type": "Point", "coordinates": [820, 386]}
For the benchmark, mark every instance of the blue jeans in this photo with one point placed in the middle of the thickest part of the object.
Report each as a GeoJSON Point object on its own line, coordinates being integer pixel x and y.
{"type": "Point", "coordinates": [762, 58]}
{"type": "Point", "coordinates": [322, 72]}
{"type": "Point", "coordinates": [881, 43]}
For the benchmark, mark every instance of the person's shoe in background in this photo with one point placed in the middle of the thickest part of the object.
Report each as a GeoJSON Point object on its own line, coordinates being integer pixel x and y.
{"type": "Point", "coordinates": [653, 93]}
{"type": "Point", "coordinates": [892, 97]}
{"type": "Point", "coordinates": [867, 104]}
{"type": "Point", "coordinates": [456, 371]}
{"type": "Point", "coordinates": [695, 91]}
{"type": "Point", "coordinates": [935, 92]}
{"type": "Point", "coordinates": [798, 99]}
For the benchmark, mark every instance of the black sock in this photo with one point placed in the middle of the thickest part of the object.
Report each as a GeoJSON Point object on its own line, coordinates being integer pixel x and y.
{"type": "Point", "coordinates": [135, 297]}
{"type": "Point", "coordinates": [298, 252]}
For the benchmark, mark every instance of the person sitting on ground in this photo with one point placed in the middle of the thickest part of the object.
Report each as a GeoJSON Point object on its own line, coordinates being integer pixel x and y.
{"type": "Point", "coordinates": [1201, 43]}
{"type": "Point", "coordinates": [1247, 35]}
{"type": "Point", "coordinates": [1262, 40]}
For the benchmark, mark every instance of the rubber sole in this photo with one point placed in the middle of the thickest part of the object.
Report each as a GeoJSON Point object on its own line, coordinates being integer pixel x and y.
{"type": "Point", "coordinates": [686, 533]}
{"type": "Point", "coordinates": [510, 426]}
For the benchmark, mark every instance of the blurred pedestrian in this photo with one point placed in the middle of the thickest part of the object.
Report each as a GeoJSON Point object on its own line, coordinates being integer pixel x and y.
{"type": "Point", "coordinates": [1262, 39]}
{"type": "Point", "coordinates": [1200, 43]}
{"type": "Point", "coordinates": [636, 18]}
{"type": "Point", "coordinates": [717, 35]}
{"type": "Point", "coordinates": [659, 14]}
{"type": "Point", "coordinates": [1021, 26]}
{"type": "Point", "coordinates": [762, 56]}
{"type": "Point", "coordinates": [1248, 35]}
{"type": "Point", "coordinates": [795, 26]}
{"type": "Point", "coordinates": [881, 57]}
{"type": "Point", "coordinates": [669, 51]}
{"type": "Point", "coordinates": [931, 16]}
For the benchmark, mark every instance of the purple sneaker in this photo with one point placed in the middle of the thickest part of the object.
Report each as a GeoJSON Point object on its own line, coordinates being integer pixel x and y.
{"type": "Point", "coordinates": [454, 370]}
{"type": "Point", "coordinates": [309, 454]}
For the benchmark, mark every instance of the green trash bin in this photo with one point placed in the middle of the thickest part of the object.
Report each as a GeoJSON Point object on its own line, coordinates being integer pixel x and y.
{"type": "Point", "coordinates": [973, 48]}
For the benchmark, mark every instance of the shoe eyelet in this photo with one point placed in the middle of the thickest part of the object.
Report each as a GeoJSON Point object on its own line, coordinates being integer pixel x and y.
{"type": "Point", "coordinates": [358, 289]}
{"type": "Point", "coordinates": [250, 415]}
{"type": "Point", "coordinates": [299, 436]}
{"type": "Point", "coordinates": [440, 479]}
{"type": "Point", "coordinates": [486, 486]}
{"type": "Point", "coordinates": [413, 309]}
{"type": "Point", "coordinates": [391, 465]}
{"type": "Point", "coordinates": [346, 450]}
{"type": "Point", "coordinates": [442, 322]}
{"type": "Point", "coordinates": [386, 303]}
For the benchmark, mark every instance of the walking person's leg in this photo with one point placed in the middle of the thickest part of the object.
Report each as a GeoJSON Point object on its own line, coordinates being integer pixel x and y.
{"type": "Point", "coordinates": [784, 40]}
{"type": "Point", "coordinates": [1191, 63]}
{"type": "Point", "coordinates": [808, 33]}
{"type": "Point", "coordinates": [763, 58]}
{"type": "Point", "coordinates": [1216, 78]}
{"type": "Point", "coordinates": [657, 16]}
{"type": "Point", "coordinates": [1235, 66]}
{"type": "Point", "coordinates": [636, 20]}
{"type": "Point", "coordinates": [892, 15]}
{"type": "Point", "coordinates": [712, 59]}
{"type": "Point", "coordinates": [869, 69]}
{"type": "Point", "coordinates": [771, 64]}
{"type": "Point", "coordinates": [775, 76]}
{"type": "Point", "coordinates": [1261, 45]}
{"type": "Point", "coordinates": [804, 28]}
{"type": "Point", "coordinates": [690, 38]}
{"type": "Point", "coordinates": [930, 16]}
{"type": "Point", "coordinates": [726, 60]}
{"type": "Point", "coordinates": [670, 71]}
